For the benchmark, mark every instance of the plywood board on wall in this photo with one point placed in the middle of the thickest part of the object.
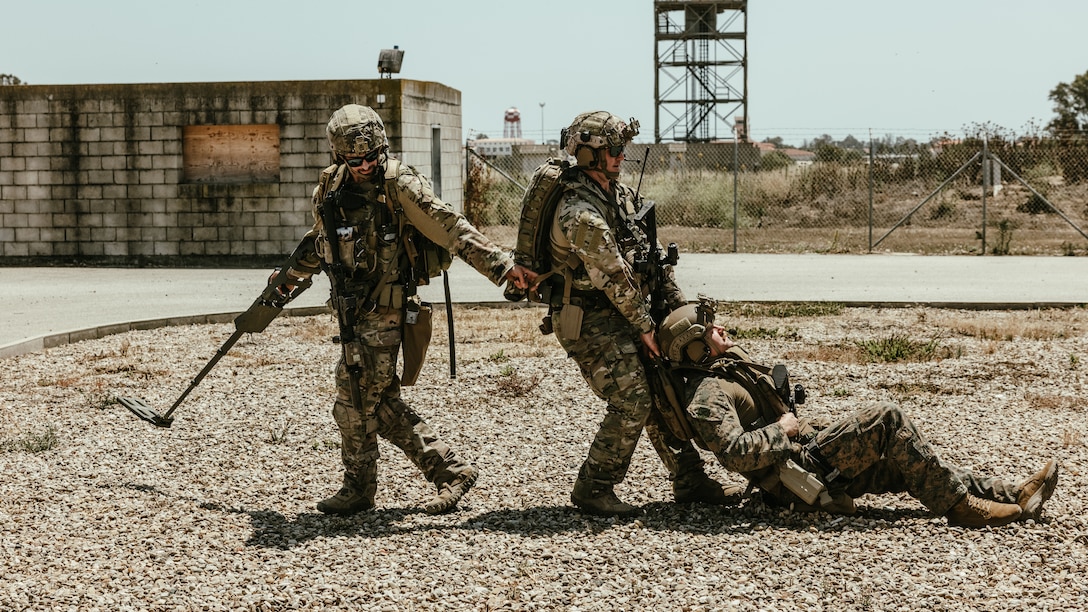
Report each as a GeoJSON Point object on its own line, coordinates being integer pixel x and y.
{"type": "Point", "coordinates": [231, 153]}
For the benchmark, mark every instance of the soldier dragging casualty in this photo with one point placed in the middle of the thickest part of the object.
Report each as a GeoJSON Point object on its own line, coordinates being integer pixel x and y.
{"type": "Point", "coordinates": [603, 275]}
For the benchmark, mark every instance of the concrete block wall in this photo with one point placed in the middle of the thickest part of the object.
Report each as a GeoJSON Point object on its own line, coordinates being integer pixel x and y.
{"type": "Point", "coordinates": [93, 174]}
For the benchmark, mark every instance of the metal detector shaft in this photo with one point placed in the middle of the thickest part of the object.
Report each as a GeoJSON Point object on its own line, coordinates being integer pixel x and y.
{"type": "Point", "coordinates": [254, 320]}
{"type": "Point", "coordinates": [207, 368]}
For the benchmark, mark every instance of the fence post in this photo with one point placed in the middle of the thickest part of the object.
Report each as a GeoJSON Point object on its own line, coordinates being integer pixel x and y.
{"type": "Point", "coordinates": [871, 158]}
{"type": "Point", "coordinates": [467, 189]}
{"type": "Point", "coordinates": [736, 164]}
{"type": "Point", "coordinates": [985, 185]}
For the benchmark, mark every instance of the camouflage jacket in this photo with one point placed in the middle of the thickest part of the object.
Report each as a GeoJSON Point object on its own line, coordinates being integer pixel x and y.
{"type": "Point", "coordinates": [723, 403]}
{"type": "Point", "coordinates": [593, 225]}
{"type": "Point", "coordinates": [369, 228]}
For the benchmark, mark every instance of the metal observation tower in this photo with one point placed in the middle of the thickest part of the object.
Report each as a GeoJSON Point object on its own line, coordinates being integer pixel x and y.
{"type": "Point", "coordinates": [701, 78]}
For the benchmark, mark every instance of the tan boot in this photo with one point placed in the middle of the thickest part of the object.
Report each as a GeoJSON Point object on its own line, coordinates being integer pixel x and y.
{"type": "Point", "coordinates": [1034, 491]}
{"type": "Point", "coordinates": [600, 500]}
{"type": "Point", "coordinates": [346, 502]}
{"type": "Point", "coordinates": [698, 487]}
{"type": "Point", "coordinates": [973, 511]}
{"type": "Point", "coordinates": [450, 493]}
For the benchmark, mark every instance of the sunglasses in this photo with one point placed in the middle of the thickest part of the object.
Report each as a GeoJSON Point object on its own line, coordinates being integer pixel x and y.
{"type": "Point", "coordinates": [615, 151]}
{"type": "Point", "coordinates": [371, 156]}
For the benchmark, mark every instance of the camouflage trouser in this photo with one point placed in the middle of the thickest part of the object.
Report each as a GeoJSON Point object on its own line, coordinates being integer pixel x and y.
{"type": "Point", "coordinates": [384, 414]}
{"type": "Point", "coordinates": [881, 451]}
{"type": "Point", "coordinates": [607, 354]}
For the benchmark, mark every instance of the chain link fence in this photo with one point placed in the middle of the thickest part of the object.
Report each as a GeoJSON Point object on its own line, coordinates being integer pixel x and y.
{"type": "Point", "coordinates": [975, 195]}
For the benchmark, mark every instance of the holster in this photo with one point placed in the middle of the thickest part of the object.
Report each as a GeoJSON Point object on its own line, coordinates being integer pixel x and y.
{"type": "Point", "coordinates": [415, 338]}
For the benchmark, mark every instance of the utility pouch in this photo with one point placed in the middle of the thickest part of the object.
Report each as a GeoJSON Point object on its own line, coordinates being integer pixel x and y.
{"type": "Point", "coordinates": [569, 324]}
{"type": "Point", "coordinates": [415, 338]}
{"type": "Point", "coordinates": [802, 483]}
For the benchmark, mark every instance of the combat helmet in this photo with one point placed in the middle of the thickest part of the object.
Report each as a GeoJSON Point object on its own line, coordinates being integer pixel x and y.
{"type": "Point", "coordinates": [682, 335]}
{"type": "Point", "coordinates": [590, 132]}
{"type": "Point", "coordinates": [355, 130]}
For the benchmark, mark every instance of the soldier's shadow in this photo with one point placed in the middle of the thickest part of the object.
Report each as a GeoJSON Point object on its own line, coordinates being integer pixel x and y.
{"type": "Point", "coordinates": [272, 529]}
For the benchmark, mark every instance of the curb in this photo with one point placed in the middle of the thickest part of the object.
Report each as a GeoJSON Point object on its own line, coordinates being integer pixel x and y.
{"type": "Point", "coordinates": [93, 333]}
{"type": "Point", "coordinates": [39, 343]}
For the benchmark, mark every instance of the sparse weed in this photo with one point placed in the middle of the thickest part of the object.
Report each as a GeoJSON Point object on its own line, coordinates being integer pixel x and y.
{"type": "Point", "coordinates": [32, 443]}
{"type": "Point", "coordinates": [514, 384]}
{"type": "Point", "coordinates": [319, 445]}
{"type": "Point", "coordinates": [898, 347]}
{"type": "Point", "coordinates": [780, 310]}
{"type": "Point", "coordinates": [760, 333]}
{"type": "Point", "coordinates": [278, 434]}
{"type": "Point", "coordinates": [1040, 401]}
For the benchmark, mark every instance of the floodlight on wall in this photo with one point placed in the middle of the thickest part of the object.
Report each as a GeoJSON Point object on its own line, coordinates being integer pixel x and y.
{"type": "Point", "coordinates": [389, 61]}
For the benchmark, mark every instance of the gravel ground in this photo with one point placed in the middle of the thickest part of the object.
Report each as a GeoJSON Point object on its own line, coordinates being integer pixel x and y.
{"type": "Point", "coordinates": [99, 510]}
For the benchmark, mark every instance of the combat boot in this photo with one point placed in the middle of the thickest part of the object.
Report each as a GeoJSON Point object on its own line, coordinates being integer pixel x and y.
{"type": "Point", "coordinates": [1037, 489]}
{"type": "Point", "coordinates": [696, 486]}
{"type": "Point", "coordinates": [600, 500]}
{"type": "Point", "coordinates": [346, 502]}
{"type": "Point", "coordinates": [973, 511]}
{"type": "Point", "coordinates": [449, 493]}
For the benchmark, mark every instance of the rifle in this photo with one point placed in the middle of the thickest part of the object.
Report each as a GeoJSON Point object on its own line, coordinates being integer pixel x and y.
{"type": "Point", "coordinates": [345, 304]}
{"type": "Point", "coordinates": [649, 264]}
{"type": "Point", "coordinates": [666, 401]}
{"type": "Point", "coordinates": [264, 309]}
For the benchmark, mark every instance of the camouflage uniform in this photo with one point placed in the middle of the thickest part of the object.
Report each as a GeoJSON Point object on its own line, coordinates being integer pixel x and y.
{"type": "Point", "coordinates": [591, 224]}
{"type": "Point", "coordinates": [368, 251]}
{"type": "Point", "coordinates": [876, 449]}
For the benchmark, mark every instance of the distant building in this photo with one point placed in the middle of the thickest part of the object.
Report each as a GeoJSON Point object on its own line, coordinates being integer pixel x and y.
{"type": "Point", "coordinates": [193, 173]}
{"type": "Point", "coordinates": [799, 156]}
{"type": "Point", "coordinates": [497, 147]}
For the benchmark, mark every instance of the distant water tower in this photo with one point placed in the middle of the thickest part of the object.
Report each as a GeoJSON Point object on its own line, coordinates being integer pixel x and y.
{"type": "Point", "coordinates": [512, 123]}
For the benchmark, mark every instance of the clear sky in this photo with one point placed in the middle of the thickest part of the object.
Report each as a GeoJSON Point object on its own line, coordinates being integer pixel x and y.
{"type": "Point", "coordinates": [839, 67]}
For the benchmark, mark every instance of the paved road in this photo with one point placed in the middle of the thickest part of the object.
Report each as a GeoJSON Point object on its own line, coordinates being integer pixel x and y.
{"type": "Point", "coordinates": [41, 307]}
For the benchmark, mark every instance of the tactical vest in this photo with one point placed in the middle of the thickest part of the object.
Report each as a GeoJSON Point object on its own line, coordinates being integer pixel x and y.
{"type": "Point", "coordinates": [768, 403]}
{"type": "Point", "coordinates": [373, 231]}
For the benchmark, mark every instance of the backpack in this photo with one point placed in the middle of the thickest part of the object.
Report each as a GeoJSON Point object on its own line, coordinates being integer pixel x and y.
{"type": "Point", "coordinates": [537, 211]}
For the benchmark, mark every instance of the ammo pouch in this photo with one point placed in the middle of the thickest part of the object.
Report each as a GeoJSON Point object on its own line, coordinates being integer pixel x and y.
{"type": "Point", "coordinates": [415, 338]}
{"type": "Point", "coordinates": [568, 322]}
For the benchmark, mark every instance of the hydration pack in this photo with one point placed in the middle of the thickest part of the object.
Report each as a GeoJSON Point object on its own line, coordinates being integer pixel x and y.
{"type": "Point", "coordinates": [537, 211]}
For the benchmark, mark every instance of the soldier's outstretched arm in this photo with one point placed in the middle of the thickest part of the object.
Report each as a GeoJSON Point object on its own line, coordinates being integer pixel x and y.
{"type": "Point", "coordinates": [448, 228]}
